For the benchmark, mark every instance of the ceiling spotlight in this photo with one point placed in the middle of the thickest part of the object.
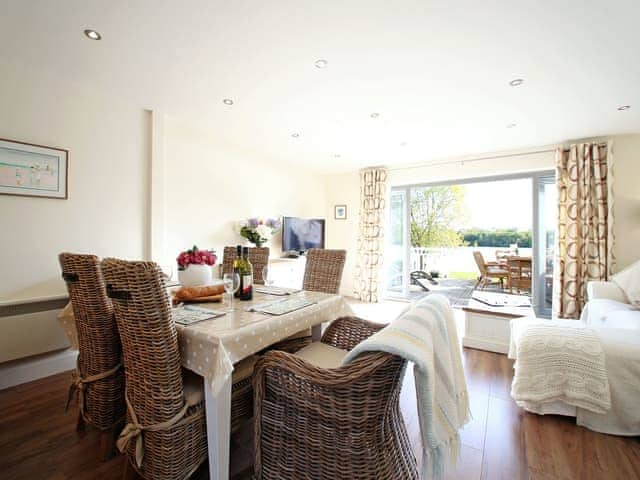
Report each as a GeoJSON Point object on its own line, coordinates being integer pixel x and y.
{"type": "Point", "coordinates": [227, 101]}
{"type": "Point", "coordinates": [295, 135]}
{"type": "Point", "coordinates": [403, 144]}
{"type": "Point", "coordinates": [374, 115]}
{"type": "Point", "coordinates": [512, 125]}
{"type": "Point", "coordinates": [516, 82]}
{"type": "Point", "coordinates": [322, 63]}
{"type": "Point", "coordinates": [92, 34]}
{"type": "Point", "coordinates": [624, 107]}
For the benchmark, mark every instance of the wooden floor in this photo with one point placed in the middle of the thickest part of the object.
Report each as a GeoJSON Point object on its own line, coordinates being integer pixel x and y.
{"type": "Point", "coordinates": [38, 440]}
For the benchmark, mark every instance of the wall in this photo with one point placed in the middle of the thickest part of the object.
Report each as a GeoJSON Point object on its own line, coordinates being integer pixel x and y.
{"type": "Point", "coordinates": [105, 214]}
{"type": "Point", "coordinates": [210, 186]}
{"type": "Point", "coordinates": [626, 153]}
{"type": "Point", "coordinates": [344, 189]}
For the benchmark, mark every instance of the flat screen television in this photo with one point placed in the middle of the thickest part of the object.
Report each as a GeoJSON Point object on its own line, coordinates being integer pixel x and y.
{"type": "Point", "coordinates": [301, 234]}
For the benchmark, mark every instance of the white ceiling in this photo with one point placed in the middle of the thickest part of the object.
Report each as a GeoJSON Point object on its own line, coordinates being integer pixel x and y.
{"type": "Point", "coordinates": [437, 72]}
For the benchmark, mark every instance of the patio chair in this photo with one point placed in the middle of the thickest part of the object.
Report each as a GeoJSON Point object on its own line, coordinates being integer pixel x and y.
{"type": "Point", "coordinates": [489, 271]}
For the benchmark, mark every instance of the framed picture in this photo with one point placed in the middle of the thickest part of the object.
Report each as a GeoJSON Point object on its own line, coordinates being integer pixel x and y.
{"type": "Point", "coordinates": [33, 170]}
{"type": "Point", "coordinates": [340, 212]}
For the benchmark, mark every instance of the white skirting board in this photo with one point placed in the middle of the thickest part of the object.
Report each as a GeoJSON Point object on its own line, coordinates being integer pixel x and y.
{"type": "Point", "coordinates": [29, 369]}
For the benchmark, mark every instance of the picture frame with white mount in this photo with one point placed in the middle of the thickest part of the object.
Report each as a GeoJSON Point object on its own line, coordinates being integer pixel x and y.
{"type": "Point", "coordinates": [340, 212]}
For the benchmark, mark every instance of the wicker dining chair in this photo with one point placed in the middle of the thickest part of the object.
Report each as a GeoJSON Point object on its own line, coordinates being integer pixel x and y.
{"type": "Point", "coordinates": [99, 376]}
{"type": "Point", "coordinates": [258, 256]}
{"type": "Point", "coordinates": [322, 273]}
{"type": "Point", "coordinates": [165, 436]}
{"type": "Point", "coordinates": [329, 423]}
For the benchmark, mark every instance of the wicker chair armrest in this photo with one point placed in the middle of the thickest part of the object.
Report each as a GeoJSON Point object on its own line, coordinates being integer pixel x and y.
{"type": "Point", "coordinates": [347, 332]}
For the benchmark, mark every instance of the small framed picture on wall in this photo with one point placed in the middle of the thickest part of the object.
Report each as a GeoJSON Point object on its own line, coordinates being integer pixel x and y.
{"type": "Point", "coordinates": [340, 212]}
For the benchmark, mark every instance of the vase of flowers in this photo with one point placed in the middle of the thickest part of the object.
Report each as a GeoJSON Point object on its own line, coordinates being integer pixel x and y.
{"type": "Point", "coordinates": [259, 231]}
{"type": "Point", "coordinates": [194, 267]}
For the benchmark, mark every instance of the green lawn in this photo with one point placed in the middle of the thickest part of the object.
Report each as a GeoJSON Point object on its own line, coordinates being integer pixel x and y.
{"type": "Point", "coordinates": [463, 275]}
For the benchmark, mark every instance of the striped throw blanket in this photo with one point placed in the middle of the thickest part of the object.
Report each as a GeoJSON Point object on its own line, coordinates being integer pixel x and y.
{"type": "Point", "coordinates": [426, 335]}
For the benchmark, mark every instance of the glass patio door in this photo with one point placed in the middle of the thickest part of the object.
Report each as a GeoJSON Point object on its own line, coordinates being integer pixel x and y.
{"type": "Point", "coordinates": [545, 221]}
{"type": "Point", "coordinates": [397, 257]}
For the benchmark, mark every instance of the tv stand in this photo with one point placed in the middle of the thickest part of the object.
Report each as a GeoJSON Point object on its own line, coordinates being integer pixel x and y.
{"type": "Point", "coordinates": [288, 272]}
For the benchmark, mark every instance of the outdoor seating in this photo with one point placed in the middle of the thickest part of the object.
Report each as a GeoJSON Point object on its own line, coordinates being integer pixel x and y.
{"type": "Point", "coordinates": [490, 271]}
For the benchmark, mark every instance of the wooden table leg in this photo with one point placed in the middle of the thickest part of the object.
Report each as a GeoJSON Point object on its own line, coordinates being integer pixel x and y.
{"type": "Point", "coordinates": [218, 411]}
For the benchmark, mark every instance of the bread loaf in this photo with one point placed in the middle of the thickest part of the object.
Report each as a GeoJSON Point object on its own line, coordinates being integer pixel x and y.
{"type": "Point", "coordinates": [190, 293]}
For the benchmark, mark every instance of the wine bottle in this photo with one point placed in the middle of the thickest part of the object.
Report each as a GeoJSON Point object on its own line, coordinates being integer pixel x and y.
{"type": "Point", "coordinates": [236, 268]}
{"type": "Point", "coordinates": [246, 276]}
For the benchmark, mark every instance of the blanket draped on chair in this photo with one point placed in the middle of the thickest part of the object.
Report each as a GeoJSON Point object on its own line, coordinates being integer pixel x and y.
{"type": "Point", "coordinates": [426, 335]}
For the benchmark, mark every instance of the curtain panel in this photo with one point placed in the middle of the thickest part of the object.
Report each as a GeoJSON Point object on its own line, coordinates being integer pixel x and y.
{"type": "Point", "coordinates": [584, 176]}
{"type": "Point", "coordinates": [370, 244]}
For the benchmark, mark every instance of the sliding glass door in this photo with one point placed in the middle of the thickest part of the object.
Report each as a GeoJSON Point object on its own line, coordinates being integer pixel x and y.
{"type": "Point", "coordinates": [545, 221]}
{"type": "Point", "coordinates": [436, 231]}
{"type": "Point", "coordinates": [397, 266]}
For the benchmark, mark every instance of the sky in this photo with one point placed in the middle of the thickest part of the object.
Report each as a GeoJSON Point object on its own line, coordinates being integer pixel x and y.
{"type": "Point", "coordinates": [499, 204]}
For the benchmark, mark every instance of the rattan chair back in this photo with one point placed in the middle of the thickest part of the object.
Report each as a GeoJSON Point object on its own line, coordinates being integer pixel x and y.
{"type": "Point", "coordinates": [149, 338]}
{"type": "Point", "coordinates": [99, 346]}
{"type": "Point", "coordinates": [323, 270]}
{"type": "Point", "coordinates": [153, 372]}
{"type": "Point", "coordinates": [258, 256]}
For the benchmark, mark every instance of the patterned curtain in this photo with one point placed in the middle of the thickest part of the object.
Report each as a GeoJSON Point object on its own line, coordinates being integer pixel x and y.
{"type": "Point", "coordinates": [585, 243]}
{"type": "Point", "coordinates": [370, 237]}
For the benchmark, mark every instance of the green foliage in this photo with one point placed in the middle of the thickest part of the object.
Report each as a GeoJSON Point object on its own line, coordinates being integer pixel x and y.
{"type": "Point", "coordinates": [497, 238]}
{"type": "Point", "coordinates": [435, 213]}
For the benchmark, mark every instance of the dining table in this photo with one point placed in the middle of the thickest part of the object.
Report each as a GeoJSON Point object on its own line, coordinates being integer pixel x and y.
{"type": "Point", "coordinates": [211, 348]}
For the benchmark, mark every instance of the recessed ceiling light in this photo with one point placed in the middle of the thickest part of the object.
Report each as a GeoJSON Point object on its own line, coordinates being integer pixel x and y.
{"type": "Point", "coordinates": [322, 63]}
{"type": "Point", "coordinates": [403, 144]}
{"type": "Point", "coordinates": [375, 115]}
{"type": "Point", "coordinates": [227, 101]}
{"type": "Point", "coordinates": [624, 107]}
{"type": "Point", "coordinates": [295, 135]}
{"type": "Point", "coordinates": [92, 34]}
{"type": "Point", "coordinates": [512, 125]}
{"type": "Point", "coordinates": [516, 82]}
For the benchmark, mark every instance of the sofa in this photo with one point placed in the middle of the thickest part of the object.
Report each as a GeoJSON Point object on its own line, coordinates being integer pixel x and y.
{"type": "Point", "coordinates": [609, 307]}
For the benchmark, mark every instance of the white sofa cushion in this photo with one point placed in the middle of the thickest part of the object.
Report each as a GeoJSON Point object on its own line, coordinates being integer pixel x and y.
{"type": "Point", "coordinates": [629, 281]}
{"type": "Point", "coordinates": [597, 312]}
{"type": "Point", "coordinates": [608, 290]}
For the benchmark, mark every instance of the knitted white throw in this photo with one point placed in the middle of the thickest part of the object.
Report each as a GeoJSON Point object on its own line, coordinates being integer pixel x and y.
{"type": "Point", "coordinates": [564, 362]}
{"type": "Point", "coordinates": [426, 335]}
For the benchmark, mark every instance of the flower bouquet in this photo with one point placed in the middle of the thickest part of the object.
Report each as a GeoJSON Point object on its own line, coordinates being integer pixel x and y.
{"type": "Point", "coordinates": [259, 231]}
{"type": "Point", "coordinates": [194, 267]}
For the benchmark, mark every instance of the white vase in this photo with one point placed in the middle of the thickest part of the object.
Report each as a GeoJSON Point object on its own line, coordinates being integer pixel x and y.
{"type": "Point", "coordinates": [195, 275]}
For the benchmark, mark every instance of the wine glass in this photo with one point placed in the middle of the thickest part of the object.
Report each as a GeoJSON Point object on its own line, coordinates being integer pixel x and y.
{"type": "Point", "coordinates": [231, 282]}
{"type": "Point", "coordinates": [267, 276]}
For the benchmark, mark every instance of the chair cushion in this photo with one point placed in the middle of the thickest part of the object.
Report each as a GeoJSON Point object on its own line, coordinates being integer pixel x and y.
{"type": "Point", "coordinates": [244, 369]}
{"type": "Point", "coordinates": [322, 355]}
{"type": "Point", "coordinates": [193, 387]}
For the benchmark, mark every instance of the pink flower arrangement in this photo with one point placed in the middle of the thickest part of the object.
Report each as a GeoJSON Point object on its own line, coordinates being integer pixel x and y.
{"type": "Point", "coordinates": [194, 256]}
